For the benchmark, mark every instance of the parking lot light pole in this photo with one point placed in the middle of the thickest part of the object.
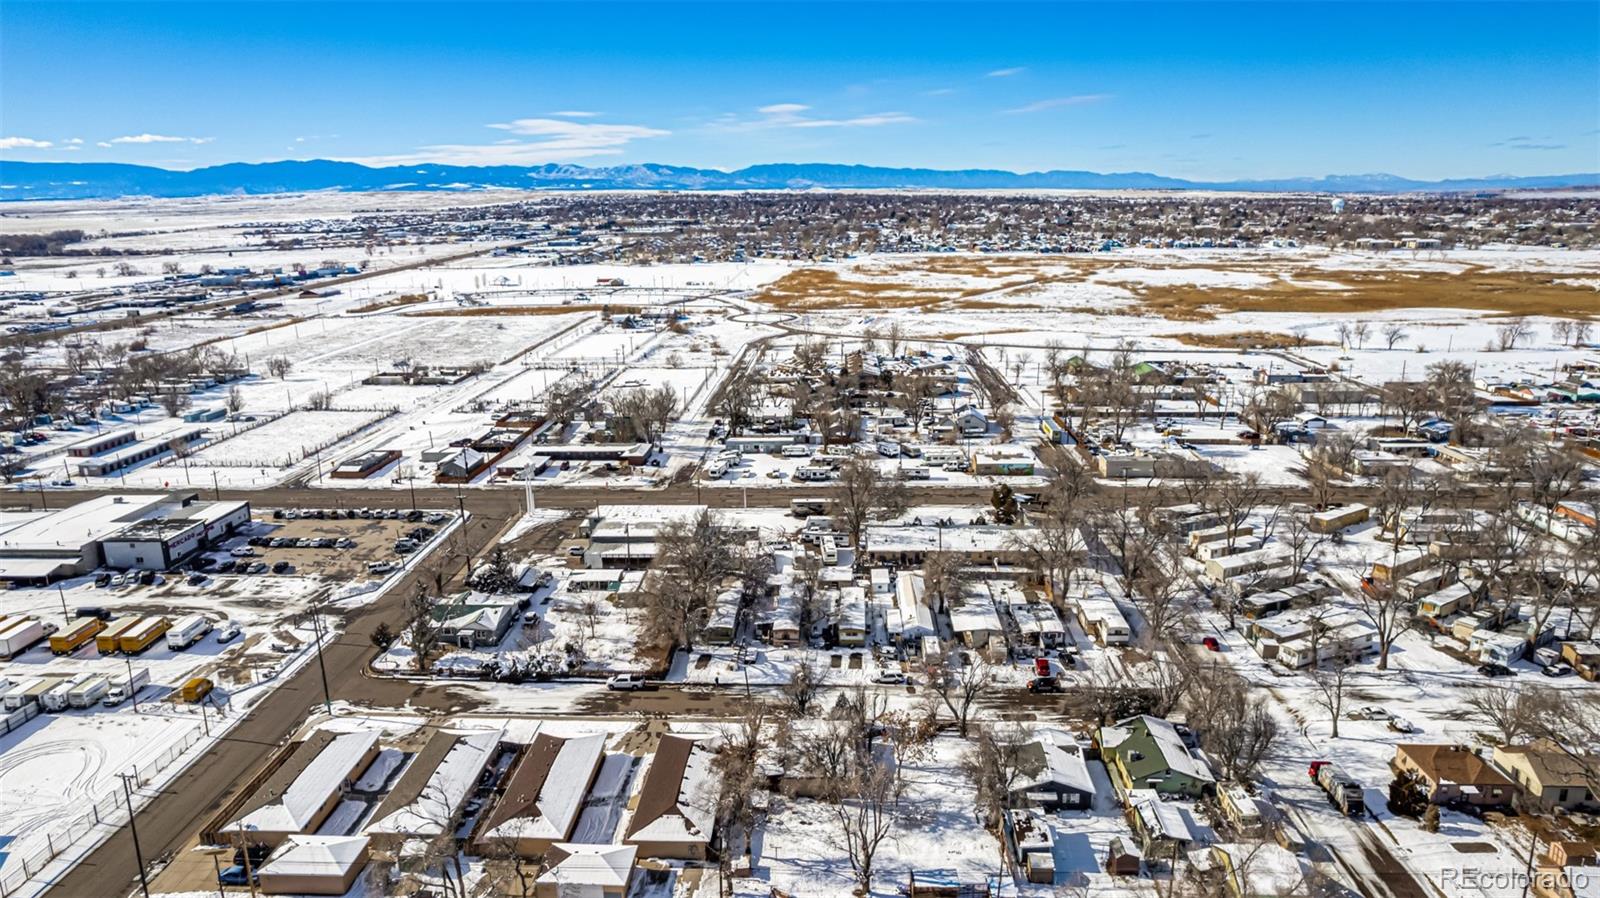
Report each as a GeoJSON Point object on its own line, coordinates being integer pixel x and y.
{"type": "Point", "coordinates": [61, 592]}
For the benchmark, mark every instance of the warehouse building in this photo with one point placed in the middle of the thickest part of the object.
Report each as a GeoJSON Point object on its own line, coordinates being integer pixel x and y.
{"type": "Point", "coordinates": [139, 530]}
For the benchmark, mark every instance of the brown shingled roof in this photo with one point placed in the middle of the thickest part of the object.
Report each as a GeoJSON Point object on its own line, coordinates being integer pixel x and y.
{"type": "Point", "coordinates": [1452, 764]}
{"type": "Point", "coordinates": [522, 787]}
{"type": "Point", "coordinates": [663, 782]}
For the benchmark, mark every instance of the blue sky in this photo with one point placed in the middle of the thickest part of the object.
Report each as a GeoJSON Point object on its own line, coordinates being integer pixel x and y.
{"type": "Point", "coordinates": [1197, 90]}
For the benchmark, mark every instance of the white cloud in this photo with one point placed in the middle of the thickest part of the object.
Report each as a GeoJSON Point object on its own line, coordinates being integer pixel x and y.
{"type": "Point", "coordinates": [1057, 102]}
{"type": "Point", "coordinates": [103, 144]}
{"type": "Point", "coordinates": [559, 140]}
{"type": "Point", "coordinates": [783, 109]}
{"type": "Point", "coordinates": [791, 115]}
{"type": "Point", "coordinates": [76, 141]}
{"type": "Point", "coordinates": [160, 138]}
{"type": "Point", "coordinates": [24, 143]}
{"type": "Point", "coordinates": [860, 121]}
{"type": "Point", "coordinates": [575, 113]}
{"type": "Point", "coordinates": [1006, 73]}
{"type": "Point", "coordinates": [939, 92]}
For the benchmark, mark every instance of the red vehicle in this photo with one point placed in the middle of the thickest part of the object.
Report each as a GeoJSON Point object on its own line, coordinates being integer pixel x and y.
{"type": "Point", "coordinates": [1211, 643]}
{"type": "Point", "coordinates": [1041, 667]}
{"type": "Point", "coordinates": [1315, 766]}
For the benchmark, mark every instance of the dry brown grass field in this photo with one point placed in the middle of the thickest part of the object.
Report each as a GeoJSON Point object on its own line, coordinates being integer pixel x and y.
{"type": "Point", "coordinates": [1025, 283]}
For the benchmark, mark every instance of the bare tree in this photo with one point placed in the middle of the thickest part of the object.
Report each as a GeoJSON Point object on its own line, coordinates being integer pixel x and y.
{"type": "Point", "coordinates": [802, 687]}
{"type": "Point", "coordinates": [866, 494]}
{"type": "Point", "coordinates": [175, 401]}
{"type": "Point", "coordinates": [894, 337]}
{"type": "Point", "coordinates": [1509, 334]}
{"type": "Point", "coordinates": [1515, 712]}
{"type": "Point", "coordinates": [958, 686]}
{"type": "Point", "coordinates": [1392, 615]}
{"type": "Point", "coordinates": [1361, 330]}
{"type": "Point", "coordinates": [692, 561]}
{"type": "Point", "coordinates": [735, 400]}
{"type": "Point", "coordinates": [1054, 542]}
{"type": "Point", "coordinates": [999, 761]}
{"type": "Point", "coordinates": [235, 401]}
{"type": "Point", "coordinates": [1159, 594]}
{"type": "Point", "coordinates": [421, 628]}
{"type": "Point", "coordinates": [944, 579]}
{"type": "Point", "coordinates": [868, 802]}
{"type": "Point", "coordinates": [1235, 726]}
{"type": "Point", "coordinates": [1394, 333]}
{"type": "Point", "coordinates": [1331, 675]}
{"type": "Point", "coordinates": [279, 366]}
{"type": "Point", "coordinates": [644, 413]}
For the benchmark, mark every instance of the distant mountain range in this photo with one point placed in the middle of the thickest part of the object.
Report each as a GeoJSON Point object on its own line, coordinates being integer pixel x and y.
{"type": "Point", "coordinates": [104, 180]}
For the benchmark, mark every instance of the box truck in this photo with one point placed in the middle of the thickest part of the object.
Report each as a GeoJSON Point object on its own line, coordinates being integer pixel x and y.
{"type": "Point", "coordinates": [20, 634]}
{"type": "Point", "coordinates": [106, 640]}
{"type": "Point", "coordinates": [55, 698]}
{"type": "Point", "coordinates": [144, 635]}
{"type": "Point", "coordinates": [187, 631]}
{"type": "Point", "coordinates": [124, 688]}
{"type": "Point", "coordinates": [78, 634]}
{"type": "Point", "coordinates": [28, 693]}
{"type": "Point", "coordinates": [89, 692]}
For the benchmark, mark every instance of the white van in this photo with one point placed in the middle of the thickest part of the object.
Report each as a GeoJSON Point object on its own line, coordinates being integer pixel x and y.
{"type": "Point", "coordinates": [888, 449]}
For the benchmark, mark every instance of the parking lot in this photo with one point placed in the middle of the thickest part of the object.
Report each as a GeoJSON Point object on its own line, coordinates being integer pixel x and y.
{"type": "Point", "coordinates": [336, 545]}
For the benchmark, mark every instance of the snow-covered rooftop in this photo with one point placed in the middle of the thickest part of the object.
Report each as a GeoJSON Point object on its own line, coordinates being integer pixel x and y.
{"type": "Point", "coordinates": [297, 808]}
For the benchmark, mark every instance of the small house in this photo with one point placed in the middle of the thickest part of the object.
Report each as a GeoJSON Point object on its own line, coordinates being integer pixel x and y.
{"type": "Point", "coordinates": [1453, 774]}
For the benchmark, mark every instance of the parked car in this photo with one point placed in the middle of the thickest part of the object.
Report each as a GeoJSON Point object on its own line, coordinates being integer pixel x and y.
{"type": "Point", "coordinates": [1492, 669]}
{"type": "Point", "coordinates": [280, 567]}
{"type": "Point", "coordinates": [1211, 643]}
{"type": "Point", "coordinates": [103, 581]}
{"type": "Point", "coordinates": [890, 677]}
{"type": "Point", "coordinates": [1044, 684]}
{"type": "Point", "coordinates": [1401, 725]}
{"type": "Point", "coordinates": [196, 579]}
{"type": "Point", "coordinates": [1555, 670]}
{"type": "Point", "coordinates": [147, 577]}
{"type": "Point", "coordinates": [1370, 712]}
{"type": "Point", "coordinates": [228, 633]}
{"type": "Point", "coordinates": [236, 875]}
{"type": "Point", "coordinates": [625, 682]}
{"type": "Point", "coordinates": [241, 551]}
{"type": "Point", "coordinates": [259, 567]}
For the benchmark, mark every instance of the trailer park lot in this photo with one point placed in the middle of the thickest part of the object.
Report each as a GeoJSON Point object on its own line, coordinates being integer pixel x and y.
{"type": "Point", "coordinates": [1056, 578]}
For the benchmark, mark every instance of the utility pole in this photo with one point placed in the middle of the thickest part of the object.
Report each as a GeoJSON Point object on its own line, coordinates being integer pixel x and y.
{"type": "Point", "coordinates": [138, 852]}
{"type": "Point", "coordinates": [316, 627]}
{"type": "Point", "coordinates": [64, 615]}
{"type": "Point", "coordinates": [133, 694]}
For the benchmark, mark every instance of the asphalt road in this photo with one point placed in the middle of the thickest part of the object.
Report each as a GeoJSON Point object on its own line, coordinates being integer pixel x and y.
{"type": "Point", "coordinates": [172, 818]}
{"type": "Point", "coordinates": [169, 820]}
{"type": "Point", "coordinates": [506, 501]}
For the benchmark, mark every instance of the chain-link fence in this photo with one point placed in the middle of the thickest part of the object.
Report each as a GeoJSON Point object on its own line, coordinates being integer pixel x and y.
{"type": "Point", "coordinates": [27, 857]}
